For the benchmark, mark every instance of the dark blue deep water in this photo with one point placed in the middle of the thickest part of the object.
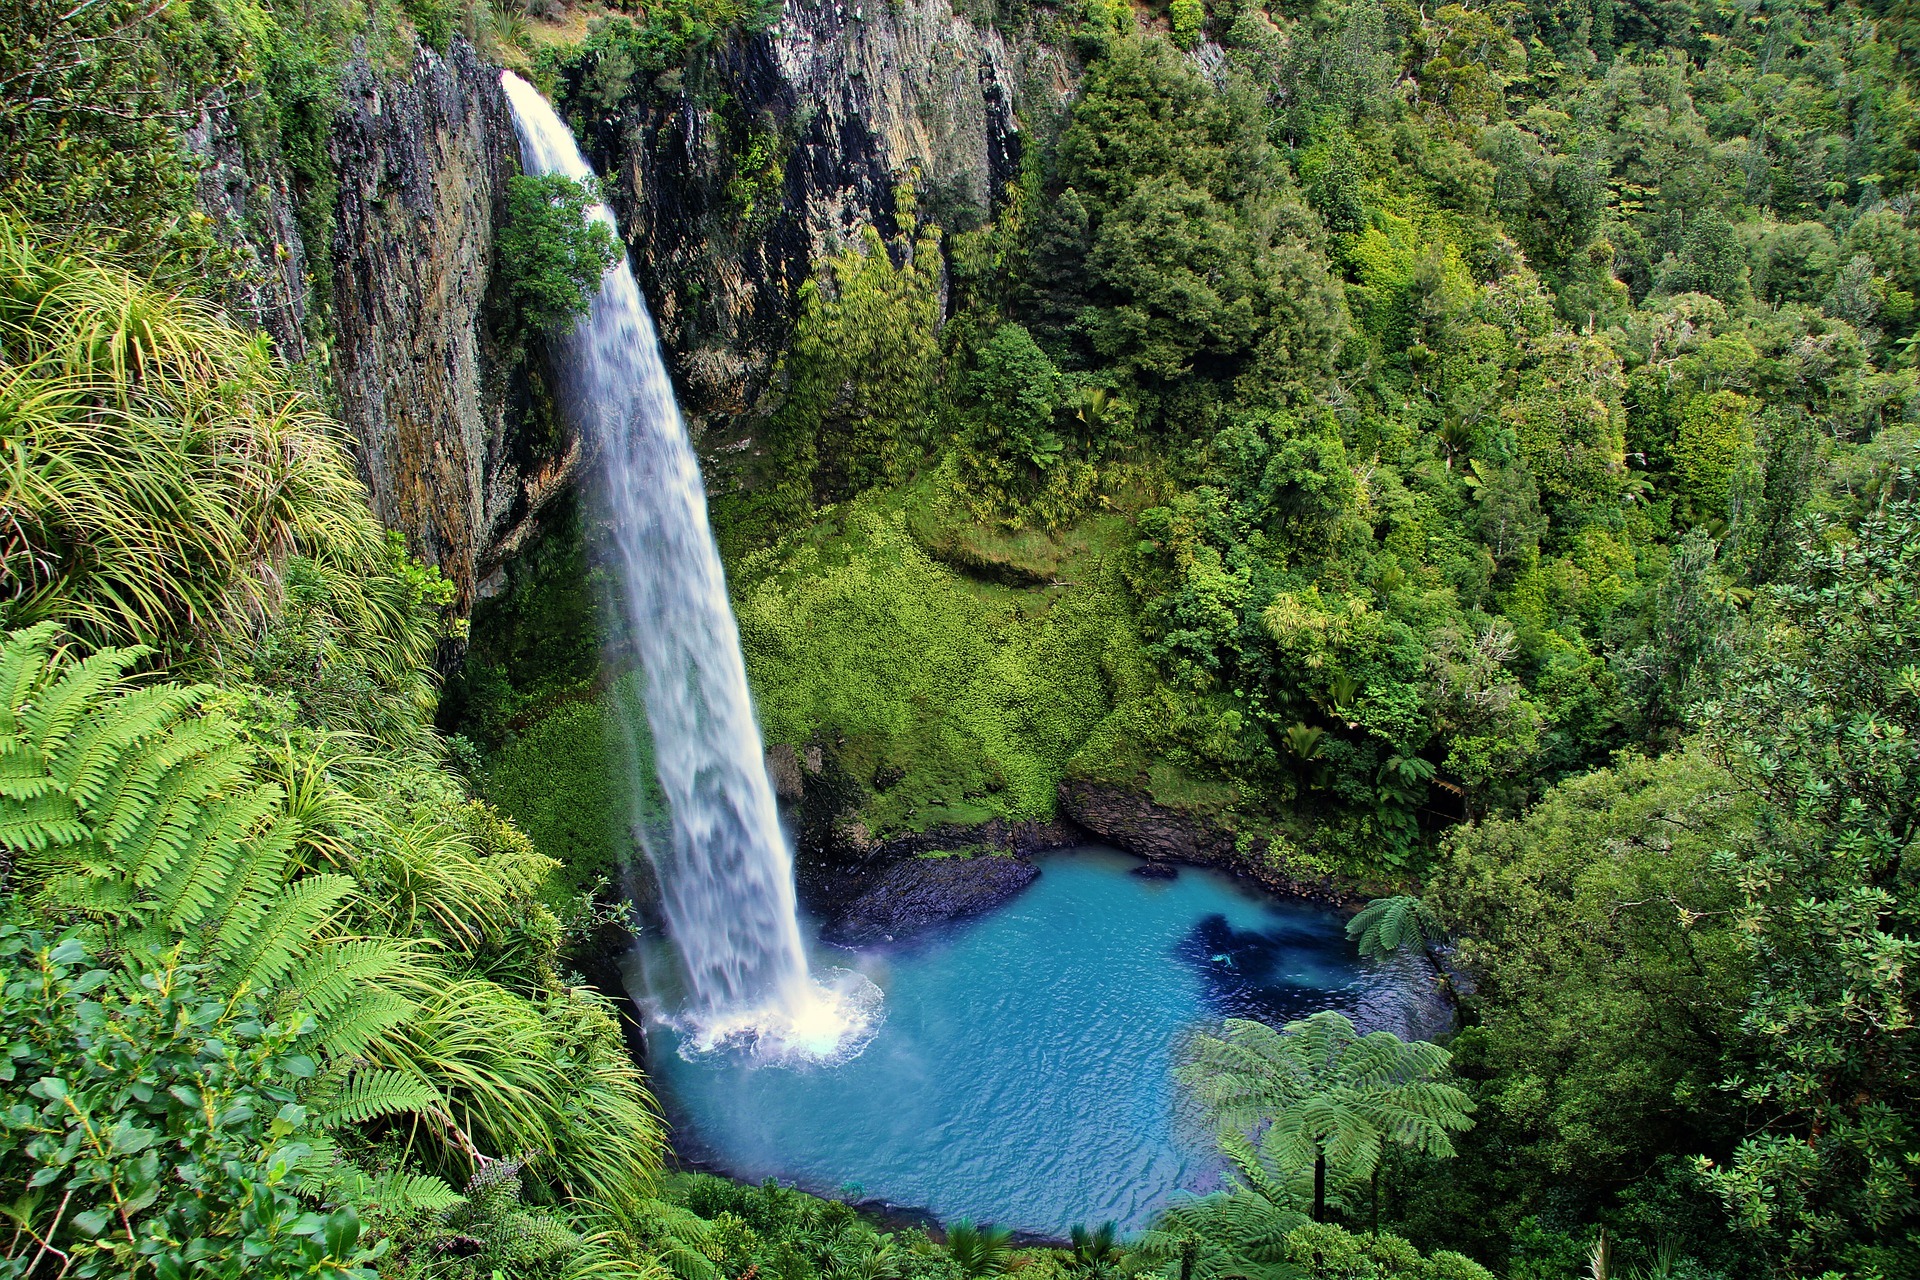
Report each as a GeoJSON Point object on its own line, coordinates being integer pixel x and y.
{"type": "Point", "coordinates": [1023, 1075]}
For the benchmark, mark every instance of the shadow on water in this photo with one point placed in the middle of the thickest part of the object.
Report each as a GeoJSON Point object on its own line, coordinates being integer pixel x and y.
{"type": "Point", "coordinates": [1266, 974]}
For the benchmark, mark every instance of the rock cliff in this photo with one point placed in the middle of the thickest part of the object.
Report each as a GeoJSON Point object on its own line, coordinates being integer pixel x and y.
{"type": "Point", "coordinates": [423, 157]}
{"type": "Point", "coordinates": [251, 206]}
{"type": "Point", "coordinates": [1131, 820]}
{"type": "Point", "coordinates": [818, 122]}
{"type": "Point", "coordinates": [732, 180]}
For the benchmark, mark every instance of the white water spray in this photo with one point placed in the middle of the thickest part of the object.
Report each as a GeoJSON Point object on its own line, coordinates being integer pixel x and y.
{"type": "Point", "coordinates": [726, 877]}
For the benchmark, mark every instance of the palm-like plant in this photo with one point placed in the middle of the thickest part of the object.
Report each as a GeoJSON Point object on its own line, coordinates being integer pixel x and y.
{"type": "Point", "coordinates": [1320, 1094]}
{"type": "Point", "coordinates": [979, 1251]}
{"type": "Point", "coordinates": [1239, 1234]}
{"type": "Point", "coordinates": [1095, 1253]}
{"type": "Point", "coordinates": [1387, 925]}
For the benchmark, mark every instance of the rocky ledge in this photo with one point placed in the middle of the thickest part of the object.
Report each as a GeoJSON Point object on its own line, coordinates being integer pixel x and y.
{"type": "Point", "coordinates": [1131, 821]}
{"type": "Point", "coordinates": [915, 894]}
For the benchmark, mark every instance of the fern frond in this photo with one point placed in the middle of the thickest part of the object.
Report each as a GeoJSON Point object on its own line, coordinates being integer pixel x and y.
{"type": "Point", "coordinates": [23, 663]}
{"type": "Point", "coordinates": [43, 822]}
{"type": "Point", "coordinates": [1387, 925]}
{"type": "Point", "coordinates": [368, 1095]}
{"type": "Point", "coordinates": [23, 770]}
{"type": "Point", "coordinates": [146, 809]}
{"type": "Point", "coordinates": [416, 1192]}
{"type": "Point", "coordinates": [334, 972]}
{"type": "Point", "coordinates": [84, 765]}
{"type": "Point", "coordinates": [353, 1026]}
{"type": "Point", "coordinates": [54, 712]}
{"type": "Point", "coordinates": [288, 924]}
{"type": "Point", "coordinates": [214, 850]}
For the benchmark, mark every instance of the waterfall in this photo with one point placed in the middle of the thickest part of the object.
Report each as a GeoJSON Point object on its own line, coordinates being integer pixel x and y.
{"type": "Point", "coordinates": [725, 873]}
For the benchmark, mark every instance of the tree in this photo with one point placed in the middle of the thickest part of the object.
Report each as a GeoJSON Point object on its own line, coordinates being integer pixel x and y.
{"type": "Point", "coordinates": [1319, 1094]}
{"type": "Point", "coordinates": [1605, 972]}
{"type": "Point", "coordinates": [1016, 392]}
{"type": "Point", "coordinates": [553, 252]}
{"type": "Point", "coordinates": [1821, 719]}
{"type": "Point", "coordinates": [860, 370]}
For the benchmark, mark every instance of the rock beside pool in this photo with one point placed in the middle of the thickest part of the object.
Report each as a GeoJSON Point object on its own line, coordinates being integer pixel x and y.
{"type": "Point", "coordinates": [915, 894]}
{"type": "Point", "coordinates": [1157, 871]}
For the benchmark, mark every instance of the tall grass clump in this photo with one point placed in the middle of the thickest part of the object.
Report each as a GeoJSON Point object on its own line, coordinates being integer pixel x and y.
{"type": "Point", "coordinates": [160, 468]}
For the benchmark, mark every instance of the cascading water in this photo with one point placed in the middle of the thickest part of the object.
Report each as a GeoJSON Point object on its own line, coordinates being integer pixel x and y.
{"type": "Point", "coordinates": [726, 877]}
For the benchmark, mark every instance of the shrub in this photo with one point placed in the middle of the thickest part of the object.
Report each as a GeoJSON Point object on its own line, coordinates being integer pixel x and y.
{"type": "Point", "coordinates": [552, 254]}
{"type": "Point", "coordinates": [148, 1124]}
{"type": "Point", "coordinates": [163, 467]}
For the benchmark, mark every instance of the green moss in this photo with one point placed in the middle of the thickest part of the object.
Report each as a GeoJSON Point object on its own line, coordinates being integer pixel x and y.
{"type": "Point", "coordinates": [536, 644]}
{"type": "Point", "coordinates": [560, 782]}
{"type": "Point", "coordinates": [980, 692]}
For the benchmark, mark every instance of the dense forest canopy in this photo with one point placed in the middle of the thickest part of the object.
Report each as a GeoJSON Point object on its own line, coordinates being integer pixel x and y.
{"type": "Point", "coordinates": [1462, 454]}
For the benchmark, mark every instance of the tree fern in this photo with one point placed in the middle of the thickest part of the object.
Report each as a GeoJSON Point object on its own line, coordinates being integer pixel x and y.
{"type": "Point", "coordinates": [1386, 925]}
{"type": "Point", "coordinates": [1319, 1095]}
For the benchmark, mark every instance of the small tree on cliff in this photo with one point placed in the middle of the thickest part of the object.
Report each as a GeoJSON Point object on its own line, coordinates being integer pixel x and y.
{"type": "Point", "coordinates": [552, 254]}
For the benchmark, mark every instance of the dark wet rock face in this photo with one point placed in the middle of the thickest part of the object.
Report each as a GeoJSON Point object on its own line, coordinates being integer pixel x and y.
{"type": "Point", "coordinates": [917, 893]}
{"type": "Point", "coordinates": [423, 156]}
{"type": "Point", "coordinates": [1130, 820]}
{"type": "Point", "coordinates": [851, 100]}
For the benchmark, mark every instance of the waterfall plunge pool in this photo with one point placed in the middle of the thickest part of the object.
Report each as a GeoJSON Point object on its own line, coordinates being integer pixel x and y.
{"type": "Point", "coordinates": [1023, 1074]}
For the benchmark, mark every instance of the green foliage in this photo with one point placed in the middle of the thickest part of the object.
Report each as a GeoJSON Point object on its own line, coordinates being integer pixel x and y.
{"type": "Point", "coordinates": [979, 1251]}
{"type": "Point", "coordinates": [551, 253]}
{"type": "Point", "coordinates": [620, 55]}
{"type": "Point", "coordinates": [161, 465]}
{"type": "Point", "coordinates": [741, 1231]}
{"type": "Point", "coordinates": [1252, 1231]}
{"type": "Point", "coordinates": [559, 783]}
{"type": "Point", "coordinates": [1604, 966]}
{"type": "Point", "coordinates": [151, 1126]}
{"type": "Point", "coordinates": [1318, 1097]}
{"type": "Point", "coordinates": [1014, 463]}
{"type": "Point", "coordinates": [91, 103]}
{"type": "Point", "coordinates": [536, 642]}
{"type": "Point", "coordinates": [1177, 252]}
{"type": "Point", "coordinates": [1328, 1252]}
{"type": "Point", "coordinates": [864, 637]}
{"type": "Point", "coordinates": [860, 371]}
{"type": "Point", "coordinates": [1387, 925]}
{"type": "Point", "coordinates": [154, 823]}
{"type": "Point", "coordinates": [1817, 720]}
{"type": "Point", "coordinates": [128, 813]}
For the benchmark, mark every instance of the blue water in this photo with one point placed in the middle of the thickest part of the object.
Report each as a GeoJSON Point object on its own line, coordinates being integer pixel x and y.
{"type": "Point", "coordinates": [1023, 1075]}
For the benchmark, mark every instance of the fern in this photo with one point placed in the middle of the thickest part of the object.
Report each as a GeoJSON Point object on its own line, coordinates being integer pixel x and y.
{"type": "Point", "coordinates": [1386, 925]}
{"type": "Point", "coordinates": [22, 661]}
{"type": "Point", "coordinates": [141, 815]}
{"type": "Point", "coordinates": [371, 1012]}
{"type": "Point", "coordinates": [368, 1095]}
{"type": "Point", "coordinates": [1319, 1094]}
{"type": "Point", "coordinates": [261, 954]}
{"type": "Point", "coordinates": [395, 1192]}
